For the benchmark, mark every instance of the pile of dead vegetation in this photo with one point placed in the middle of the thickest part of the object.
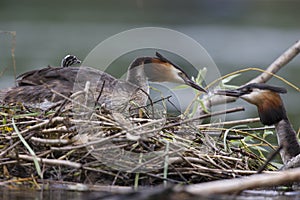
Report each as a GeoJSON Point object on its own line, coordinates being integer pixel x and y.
{"type": "Point", "coordinates": [107, 149]}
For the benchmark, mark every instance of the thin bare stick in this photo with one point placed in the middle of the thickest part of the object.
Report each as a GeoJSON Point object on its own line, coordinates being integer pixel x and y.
{"type": "Point", "coordinates": [99, 95]}
{"type": "Point", "coordinates": [42, 124]}
{"type": "Point", "coordinates": [12, 50]}
{"type": "Point", "coordinates": [50, 141]}
{"type": "Point", "coordinates": [205, 116]}
{"type": "Point", "coordinates": [13, 47]}
{"type": "Point", "coordinates": [51, 161]}
{"type": "Point", "coordinates": [270, 157]}
{"type": "Point", "coordinates": [230, 123]}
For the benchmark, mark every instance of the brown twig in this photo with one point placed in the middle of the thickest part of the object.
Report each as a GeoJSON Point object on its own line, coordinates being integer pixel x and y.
{"type": "Point", "coordinates": [51, 161]}
{"type": "Point", "coordinates": [231, 123]}
{"type": "Point", "coordinates": [237, 109]}
{"type": "Point", "coordinates": [50, 141]}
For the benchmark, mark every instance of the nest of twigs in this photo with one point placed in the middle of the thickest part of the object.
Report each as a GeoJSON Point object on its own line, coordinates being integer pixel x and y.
{"type": "Point", "coordinates": [54, 145]}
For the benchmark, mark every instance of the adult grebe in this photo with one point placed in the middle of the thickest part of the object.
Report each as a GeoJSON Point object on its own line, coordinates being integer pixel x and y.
{"type": "Point", "coordinates": [39, 87]}
{"type": "Point", "coordinates": [271, 111]}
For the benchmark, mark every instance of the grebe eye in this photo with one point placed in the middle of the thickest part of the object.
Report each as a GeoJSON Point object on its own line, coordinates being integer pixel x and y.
{"type": "Point", "coordinates": [247, 90]}
{"type": "Point", "coordinates": [180, 74]}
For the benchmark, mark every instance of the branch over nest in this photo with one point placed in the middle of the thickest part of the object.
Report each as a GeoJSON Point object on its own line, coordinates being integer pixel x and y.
{"type": "Point", "coordinates": [273, 68]}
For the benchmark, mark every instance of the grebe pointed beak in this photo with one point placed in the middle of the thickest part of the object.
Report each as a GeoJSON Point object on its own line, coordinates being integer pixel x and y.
{"type": "Point", "coordinates": [194, 85]}
{"type": "Point", "coordinates": [231, 93]}
{"type": "Point", "coordinates": [181, 74]}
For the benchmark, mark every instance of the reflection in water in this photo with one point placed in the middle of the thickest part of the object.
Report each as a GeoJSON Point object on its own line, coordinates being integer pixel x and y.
{"type": "Point", "coordinates": [72, 195]}
{"type": "Point", "coordinates": [31, 194]}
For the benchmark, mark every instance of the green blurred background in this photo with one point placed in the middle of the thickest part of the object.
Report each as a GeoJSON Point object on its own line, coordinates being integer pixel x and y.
{"type": "Point", "coordinates": [237, 34]}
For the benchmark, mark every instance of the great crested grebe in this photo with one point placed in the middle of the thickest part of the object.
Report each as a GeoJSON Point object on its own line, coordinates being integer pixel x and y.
{"type": "Point", "coordinates": [271, 112]}
{"type": "Point", "coordinates": [51, 84]}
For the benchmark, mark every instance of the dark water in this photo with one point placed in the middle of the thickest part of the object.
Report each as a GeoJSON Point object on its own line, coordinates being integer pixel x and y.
{"type": "Point", "coordinates": [71, 195]}
{"type": "Point", "coordinates": [29, 195]}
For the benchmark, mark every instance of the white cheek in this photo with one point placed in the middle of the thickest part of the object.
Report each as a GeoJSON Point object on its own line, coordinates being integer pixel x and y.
{"type": "Point", "coordinates": [179, 80]}
{"type": "Point", "coordinates": [252, 96]}
{"type": "Point", "coordinates": [176, 78]}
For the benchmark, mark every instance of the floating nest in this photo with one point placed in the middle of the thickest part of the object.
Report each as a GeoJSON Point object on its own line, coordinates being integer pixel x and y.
{"type": "Point", "coordinates": [108, 149]}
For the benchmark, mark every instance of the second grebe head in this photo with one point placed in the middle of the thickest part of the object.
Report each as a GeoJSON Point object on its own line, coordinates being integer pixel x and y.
{"type": "Point", "coordinates": [160, 69]}
{"type": "Point", "coordinates": [266, 97]}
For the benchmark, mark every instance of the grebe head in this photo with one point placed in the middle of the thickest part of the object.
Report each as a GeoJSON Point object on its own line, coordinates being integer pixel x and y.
{"type": "Point", "coordinates": [266, 97]}
{"type": "Point", "coordinates": [69, 60]}
{"type": "Point", "coordinates": [160, 69]}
